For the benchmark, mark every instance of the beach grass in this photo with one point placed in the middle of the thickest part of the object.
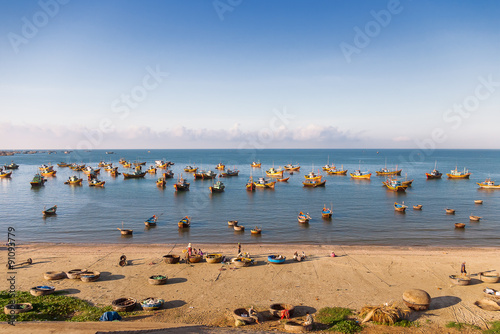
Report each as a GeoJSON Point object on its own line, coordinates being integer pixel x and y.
{"type": "Point", "coordinates": [495, 328]}
{"type": "Point", "coordinates": [336, 318]}
{"type": "Point", "coordinates": [54, 307]}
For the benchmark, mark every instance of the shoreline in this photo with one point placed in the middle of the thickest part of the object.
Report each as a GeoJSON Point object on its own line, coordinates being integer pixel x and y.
{"type": "Point", "coordinates": [205, 294]}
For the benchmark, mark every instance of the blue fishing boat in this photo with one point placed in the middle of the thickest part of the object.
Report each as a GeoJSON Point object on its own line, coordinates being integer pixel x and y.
{"type": "Point", "coordinates": [275, 258]}
{"type": "Point", "coordinates": [151, 221]}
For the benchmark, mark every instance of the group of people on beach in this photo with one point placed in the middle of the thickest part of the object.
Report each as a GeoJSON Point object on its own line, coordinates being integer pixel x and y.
{"type": "Point", "coordinates": [193, 252]}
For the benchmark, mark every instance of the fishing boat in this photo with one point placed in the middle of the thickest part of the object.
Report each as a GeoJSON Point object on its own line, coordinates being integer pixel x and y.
{"type": "Point", "coordinates": [161, 182]}
{"type": "Point", "coordinates": [50, 212]}
{"type": "Point", "coordinates": [256, 230]}
{"type": "Point", "coordinates": [311, 183]}
{"type": "Point", "coordinates": [474, 218]}
{"type": "Point", "coordinates": [311, 176]}
{"type": "Point", "coordinates": [151, 221]}
{"type": "Point", "coordinates": [250, 186]}
{"type": "Point", "coordinates": [435, 174]}
{"type": "Point", "coordinates": [74, 180]}
{"type": "Point", "coordinates": [218, 187]}
{"type": "Point", "coordinates": [283, 179]}
{"type": "Point", "coordinates": [38, 180]}
{"type": "Point", "coordinates": [152, 170]}
{"type": "Point", "coordinates": [400, 207]}
{"type": "Point", "coordinates": [125, 231]}
{"type": "Point", "coordinates": [46, 168]}
{"type": "Point", "coordinates": [63, 164]}
{"type": "Point", "coordinates": [5, 174]}
{"type": "Point", "coordinates": [455, 174]}
{"type": "Point", "coordinates": [488, 184]}
{"type": "Point", "coordinates": [263, 183]}
{"type": "Point", "coordinates": [127, 164]}
{"type": "Point", "coordinates": [326, 212]}
{"type": "Point", "coordinates": [358, 174]}
{"type": "Point", "coordinates": [417, 207]}
{"type": "Point", "coordinates": [327, 167]}
{"type": "Point", "coordinates": [114, 172]}
{"type": "Point", "coordinates": [220, 166]}
{"type": "Point", "coordinates": [101, 164]}
{"type": "Point", "coordinates": [239, 228]}
{"type": "Point", "coordinates": [303, 218]}
{"type": "Point", "coordinates": [49, 173]}
{"type": "Point", "coordinates": [96, 183]}
{"type": "Point", "coordinates": [276, 258]}
{"type": "Point", "coordinates": [291, 167]}
{"type": "Point", "coordinates": [203, 175]}
{"type": "Point", "coordinates": [394, 185]}
{"type": "Point", "coordinates": [386, 171]}
{"type": "Point", "coordinates": [334, 171]}
{"type": "Point", "coordinates": [232, 222]}
{"type": "Point", "coordinates": [138, 163]}
{"type": "Point", "coordinates": [184, 222]}
{"type": "Point", "coordinates": [274, 172]}
{"type": "Point", "coordinates": [450, 211]}
{"type": "Point", "coordinates": [89, 170]}
{"type": "Point", "coordinates": [181, 184]}
{"type": "Point", "coordinates": [230, 172]}
{"type": "Point", "coordinates": [12, 165]}
{"type": "Point", "coordinates": [77, 167]}
{"type": "Point", "coordinates": [137, 173]}
{"type": "Point", "coordinates": [109, 168]}
{"type": "Point", "coordinates": [255, 164]}
{"type": "Point", "coordinates": [190, 169]}
{"type": "Point", "coordinates": [459, 225]}
{"type": "Point", "coordinates": [122, 161]}
{"type": "Point", "coordinates": [160, 164]}
{"type": "Point", "coordinates": [168, 174]}
{"type": "Point", "coordinates": [407, 183]}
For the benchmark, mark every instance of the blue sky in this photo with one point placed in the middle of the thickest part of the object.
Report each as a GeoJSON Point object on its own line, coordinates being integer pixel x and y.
{"type": "Point", "coordinates": [252, 74]}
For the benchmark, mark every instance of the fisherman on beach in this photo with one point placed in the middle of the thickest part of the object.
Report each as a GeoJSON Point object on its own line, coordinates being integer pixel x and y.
{"type": "Point", "coordinates": [462, 269]}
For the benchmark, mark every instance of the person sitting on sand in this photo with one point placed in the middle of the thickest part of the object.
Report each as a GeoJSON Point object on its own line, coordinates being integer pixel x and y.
{"type": "Point", "coordinates": [200, 252]}
{"type": "Point", "coordinates": [296, 256]}
{"type": "Point", "coordinates": [309, 320]}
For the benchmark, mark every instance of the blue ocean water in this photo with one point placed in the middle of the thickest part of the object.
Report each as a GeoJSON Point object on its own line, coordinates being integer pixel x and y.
{"type": "Point", "coordinates": [363, 210]}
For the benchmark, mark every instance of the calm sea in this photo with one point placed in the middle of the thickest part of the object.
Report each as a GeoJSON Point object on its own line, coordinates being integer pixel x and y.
{"type": "Point", "coordinates": [363, 210]}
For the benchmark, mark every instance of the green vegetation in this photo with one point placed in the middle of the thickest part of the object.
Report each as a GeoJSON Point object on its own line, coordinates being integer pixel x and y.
{"type": "Point", "coordinates": [456, 325]}
{"type": "Point", "coordinates": [336, 319]}
{"type": "Point", "coordinates": [495, 328]}
{"type": "Point", "coordinates": [406, 323]}
{"type": "Point", "coordinates": [55, 307]}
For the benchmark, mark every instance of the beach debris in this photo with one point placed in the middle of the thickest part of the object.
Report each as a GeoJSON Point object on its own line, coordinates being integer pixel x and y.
{"type": "Point", "coordinates": [385, 313]}
{"type": "Point", "coordinates": [54, 275]}
{"type": "Point", "coordinates": [12, 266]}
{"type": "Point", "coordinates": [417, 299]}
{"type": "Point", "coordinates": [123, 261]}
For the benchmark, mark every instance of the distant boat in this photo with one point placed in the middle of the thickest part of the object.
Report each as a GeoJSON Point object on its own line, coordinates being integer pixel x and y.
{"type": "Point", "coordinates": [459, 225]}
{"type": "Point", "coordinates": [96, 183]}
{"type": "Point", "coordinates": [220, 166]}
{"type": "Point", "coordinates": [151, 221]}
{"type": "Point", "coordinates": [255, 164]}
{"type": "Point", "coordinates": [181, 185]}
{"type": "Point", "coordinates": [74, 180]}
{"type": "Point", "coordinates": [326, 212]}
{"type": "Point", "coordinates": [274, 172]}
{"type": "Point", "coordinates": [256, 230]}
{"type": "Point", "coordinates": [263, 183]}
{"type": "Point", "coordinates": [63, 164]}
{"type": "Point", "coordinates": [291, 167]}
{"type": "Point", "coordinates": [49, 173]}
{"type": "Point", "coordinates": [334, 171]}
{"type": "Point", "coordinates": [313, 177]}
{"type": "Point", "coordinates": [488, 184]}
{"type": "Point", "coordinates": [455, 174]}
{"type": "Point", "coordinates": [161, 182]}
{"type": "Point", "coordinates": [417, 207]}
{"type": "Point", "coordinates": [387, 171]}
{"type": "Point", "coordinates": [283, 179]}
{"type": "Point", "coordinates": [152, 170]}
{"type": "Point", "coordinates": [450, 211]}
{"type": "Point", "coordinates": [230, 172]}
{"type": "Point", "coordinates": [250, 186]}
{"type": "Point", "coordinates": [168, 174]}
{"type": "Point", "coordinates": [474, 218]}
{"type": "Point", "coordinates": [11, 166]}
{"type": "Point", "coordinates": [205, 175]}
{"type": "Point", "coordinates": [218, 187]}
{"type": "Point", "coordinates": [5, 174]}
{"type": "Point", "coordinates": [184, 222]}
{"type": "Point", "coordinates": [37, 181]}
{"type": "Point", "coordinates": [395, 185]}
{"type": "Point", "coordinates": [303, 218]}
{"type": "Point", "coordinates": [358, 174]}
{"type": "Point", "coordinates": [137, 173]}
{"type": "Point", "coordinates": [313, 183]}
{"type": "Point", "coordinates": [50, 212]}
{"type": "Point", "coordinates": [400, 207]}
{"type": "Point", "coordinates": [190, 169]}
{"type": "Point", "coordinates": [110, 152]}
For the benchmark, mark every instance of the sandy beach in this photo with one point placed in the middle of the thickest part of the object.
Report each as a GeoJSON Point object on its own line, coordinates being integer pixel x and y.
{"type": "Point", "coordinates": [205, 294]}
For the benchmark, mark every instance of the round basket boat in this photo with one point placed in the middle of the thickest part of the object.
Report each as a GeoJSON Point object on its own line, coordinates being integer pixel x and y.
{"type": "Point", "coordinates": [417, 299]}
{"type": "Point", "coordinates": [489, 278]}
{"type": "Point", "coordinates": [157, 280]}
{"type": "Point", "coordinates": [256, 231]}
{"type": "Point", "coordinates": [17, 308]}
{"type": "Point", "coordinates": [124, 304]}
{"type": "Point", "coordinates": [459, 225]}
{"type": "Point", "coordinates": [493, 295]}
{"type": "Point", "coordinates": [450, 211]}
{"type": "Point", "coordinates": [54, 275]}
{"type": "Point", "coordinates": [75, 273]}
{"type": "Point", "coordinates": [277, 309]}
{"type": "Point", "coordinates": [90, 276]}
{"type": "Point", "coordinates": [195, 258]}
{"type": "Point", "coordinates": [126, 232]}
{"type": "Point", "coordinates": [487, 304]}
{"type": "Point", "coordinates": [213, 258]}
{"type": "Point", "coordinates": [42, 290]}
{"type": "Point", "coordinates": [238, 315]}
{"type": "Point", "coordinates": [232, 223]}
{"type": "Point", "coordinates": [171, 259]}
{"type": "Point", "coordinates": [239, 228]}
{"type": "Point", "coordinates": [459, 280]}
{"type": "Point", "coordinates": [295, 327]}
{"type": "Point", "coordinates": [276, 259]}
{"type": "Point", "coordinates": [478, 201]}
{"type": "Point", "coordinates": [417, 207]}
{"type": "Point", "coordinates": [151, 303]}
{"type": "Point", "coordinates": [241, 261]}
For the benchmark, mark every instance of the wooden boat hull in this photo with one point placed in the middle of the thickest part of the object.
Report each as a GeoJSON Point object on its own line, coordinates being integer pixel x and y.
{"type": "Point", "coordinates": [95, 171]}
{"type": "Point", "coordinates": [314, 184]}
{"type": "Point", "coordinates": [161, 184]}
{"type": "Point", "coordinates": [363, 177]}
{"type": "Point", "coordinates": [417, 207]}
{"type": "Point", "coordinates": [190, 170]}
{"type": "Point", "coordinates": [256, 231]}
{"type": "Point", "coordinates": [326, 215]}
{"type": "Point", "coordinates": [256, 165]}
{"type": "Point", "coordinates": [314, 178]}
{"type": "Point", "coordinates": [474, 218]}
{"type": "Point", "coordinates": [394, 172]}
{"type": "Point", "coordinates": [50, 212]}
{"type": "Point", "coordinates": [134, 176]}
{"type": "Point", "coordinates": [431, 176]}
{"type": "Point", "coordinates": [485, 186]}
{"type": "Point", "coordinates": [407, 183]}
{"type": "Point", "coordinates": [5, 175]}
{"type": "Point", "coordinates": [216, 190]}
{"type": "Point", "coordinates": [399, 207]}
{"type": "Point", "coordinates": [221, 167]}
{"type": "Point", "coordinates": [395, 188]}
{"type": "Point", "coordinates": [77, 182]}
{"type": "Point", "coordinates": [283, 180]}
{"type": "Point", "coordinates": [250, 186]}
{"type": "Point", "coordinates": [269, 185]}
{"type": "Point", "coordinates": [232, 222]}
{"type": "Point", "coordinates": [239, 228]}
{"type": "Point", "coordinates": [459, 225]}
{"type": "Point", "coordinates": [278, 174]}
{"type": "Point", "coordinates": [450, 211]}
{"type": "Point", "coordinates": [337, 172]}
{"type": "Point", "coordinates": [184, 223]}
{"type": "Point", "coordinates": [181, 187]}
{"type": "Point", "coordinates": [275, 259]}
{"type": "Point", "coordinates": [152, 171]}
{"type": "Point", "coordinates": [51, 173]}
{"type": "Point", "coordinates": [478, 201]}
{"type": "Point", "coordinates": [293, 169]}
{"type": "Point", "coordinates": [464, 176]}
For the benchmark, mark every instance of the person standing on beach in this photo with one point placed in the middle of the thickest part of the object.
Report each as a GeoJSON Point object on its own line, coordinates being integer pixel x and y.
{"type": "Point", "coordinates": [239, 249]}
{"type": "Point", "coordinates": [462, 269]}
